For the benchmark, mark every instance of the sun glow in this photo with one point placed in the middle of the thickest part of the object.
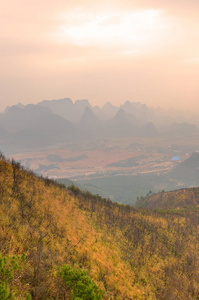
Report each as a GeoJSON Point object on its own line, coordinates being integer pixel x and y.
{"type": "Point", "coordinates": [106, 29]}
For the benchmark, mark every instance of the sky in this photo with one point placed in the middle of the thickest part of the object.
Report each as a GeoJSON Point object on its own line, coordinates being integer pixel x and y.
{"type": "Point", "coordinates": [146, 51]}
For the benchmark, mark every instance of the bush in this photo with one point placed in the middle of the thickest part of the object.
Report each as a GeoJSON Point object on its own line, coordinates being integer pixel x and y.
{"type": "Point", "coordinates": [81, 286]}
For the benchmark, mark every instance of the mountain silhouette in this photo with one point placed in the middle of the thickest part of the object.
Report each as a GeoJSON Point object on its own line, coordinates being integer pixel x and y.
{"type": "Point", "coordinates": [120, 125]}
{"type": "Point", "coordinates": [90, 122]}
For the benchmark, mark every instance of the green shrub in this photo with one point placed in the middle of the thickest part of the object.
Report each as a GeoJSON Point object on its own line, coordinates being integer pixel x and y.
{"type": "Point", "coordinates": [81, 286]}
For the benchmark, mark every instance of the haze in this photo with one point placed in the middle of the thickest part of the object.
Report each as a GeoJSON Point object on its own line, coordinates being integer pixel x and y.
{"type": "Point", "coordinates": [113, 52]}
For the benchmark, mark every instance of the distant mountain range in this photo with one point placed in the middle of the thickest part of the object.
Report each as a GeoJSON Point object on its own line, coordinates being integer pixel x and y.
{"type": "Point", "coordinates": [53, 122]}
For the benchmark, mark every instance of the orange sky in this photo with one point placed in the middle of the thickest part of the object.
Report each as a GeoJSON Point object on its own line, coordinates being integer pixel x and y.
{"type": "Point", "coordinates": [145, 51]}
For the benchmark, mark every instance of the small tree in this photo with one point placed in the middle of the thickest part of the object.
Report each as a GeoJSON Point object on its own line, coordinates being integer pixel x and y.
{"type": "Point", "coordinates": [81, 286]}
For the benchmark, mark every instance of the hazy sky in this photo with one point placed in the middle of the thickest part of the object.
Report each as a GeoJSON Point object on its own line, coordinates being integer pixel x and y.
{"type": "Point", "coordinates": [145, 51]}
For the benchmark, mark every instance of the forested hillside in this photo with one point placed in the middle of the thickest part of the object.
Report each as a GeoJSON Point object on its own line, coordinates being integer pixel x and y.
{"type": "Point", "coordinates": [181, 200]}
{"type": "Point", "coordinates": [68, 244]}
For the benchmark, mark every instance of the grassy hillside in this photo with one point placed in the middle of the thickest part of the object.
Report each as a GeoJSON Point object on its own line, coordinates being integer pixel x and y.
{"type": "Point", "coordinates": [53, 242]}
